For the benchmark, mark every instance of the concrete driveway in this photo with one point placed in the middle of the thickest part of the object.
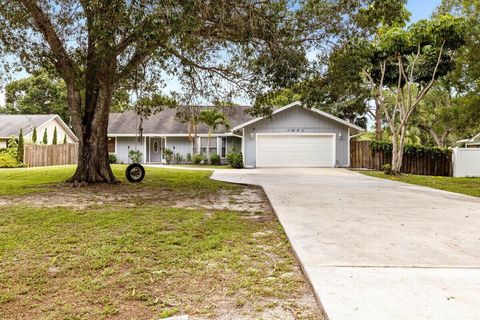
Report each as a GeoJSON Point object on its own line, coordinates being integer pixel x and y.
{"type": "Point", "coordinates": [374, 248]}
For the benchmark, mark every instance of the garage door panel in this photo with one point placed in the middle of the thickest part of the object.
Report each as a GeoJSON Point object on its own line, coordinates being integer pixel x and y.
{"type": "Point", "coordinates": [295, 150]}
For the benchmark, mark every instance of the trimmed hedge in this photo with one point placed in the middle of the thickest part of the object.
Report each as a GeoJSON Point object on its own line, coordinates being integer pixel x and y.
{"type": "Point", "coordinates": [410, 149]}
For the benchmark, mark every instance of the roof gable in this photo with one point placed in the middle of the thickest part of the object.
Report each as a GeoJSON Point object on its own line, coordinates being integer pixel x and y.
{"type": "Point", "coordinates": [299, 104]}
{"type": "Point", "coordinates": [10, 124]}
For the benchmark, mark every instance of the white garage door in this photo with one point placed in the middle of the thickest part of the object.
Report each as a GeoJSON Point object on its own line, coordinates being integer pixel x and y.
{"type": "Point", "coordinates": [295, 150]}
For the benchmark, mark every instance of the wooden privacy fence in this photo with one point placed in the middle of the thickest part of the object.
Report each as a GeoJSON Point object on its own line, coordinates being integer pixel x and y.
{"type": "Point", "coordinates": [39, 155]}
{"type": "Point", "coordinates": [429, 163]}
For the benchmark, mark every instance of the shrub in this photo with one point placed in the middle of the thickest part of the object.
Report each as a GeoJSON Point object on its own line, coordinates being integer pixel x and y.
{"type": "Point", "coordinates": [189, 157]}
{"type": "Point", "coordinates": [387, 168]}
{"type": "Point", "coordinates": [34, 135]}
{"type": "Point", "coordinates": [7, 161]}
{"type": "Point", "coordinates": [179, 158]}
{"type": "Point", "coordinates": [12, 147]}
{"type": "Point", "coordinates": [112, 158]}
{"type": "Point", "coordinates": [54, 139]}
{"type": "Point", "coordinates": [215, 159]}
{"type": "Point", "coordinates": [20, 147]}
{"type": "Point", "coordinates": [135, 156]}
{"type": "Point", "coordinates": [198, 158]}
{"type": "Point", "coordinates": [168, 153]}
{"type": "Point", "coordinates": [235, 159]}
{"type": "Point", "coordinates": [45, 137]}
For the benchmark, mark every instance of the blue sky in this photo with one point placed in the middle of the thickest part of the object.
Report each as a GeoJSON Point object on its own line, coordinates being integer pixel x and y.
{"type": "Point", "coordinates": [420, 9]}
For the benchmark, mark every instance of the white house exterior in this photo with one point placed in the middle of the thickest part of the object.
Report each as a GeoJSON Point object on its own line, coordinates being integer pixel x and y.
{"type": "Point", "coordinates": [294, 136]}
{"type": "Point", "coordinates": [10, 125]}
{"type": "Point", "coordinates": [470, 143]}
{"type": "Point", "coordinates": [163, 130]}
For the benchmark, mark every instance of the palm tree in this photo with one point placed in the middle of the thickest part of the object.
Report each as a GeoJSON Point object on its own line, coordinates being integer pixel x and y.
{"type": "Point", "coordinates": [190, 116]}
{"type": "Point", "coordinates": [212, 118]}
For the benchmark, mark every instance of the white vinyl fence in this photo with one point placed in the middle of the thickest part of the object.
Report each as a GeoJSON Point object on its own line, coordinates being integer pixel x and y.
{"type": "Point", "coordinates": [466, 162]}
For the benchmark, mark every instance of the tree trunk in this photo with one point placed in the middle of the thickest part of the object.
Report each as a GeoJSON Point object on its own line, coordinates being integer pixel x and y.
{"type": "Point", "coordinates": [378, 123]}
{"type": "Point", "coordinates": [93, 164]}
{"type": "Point", "coordinates": [208, 147]}
{"type": "Point", "coordinates": [397, 151]}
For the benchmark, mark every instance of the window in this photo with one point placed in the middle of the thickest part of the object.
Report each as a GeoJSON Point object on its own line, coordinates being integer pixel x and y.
{"type": "Point", "coordinates": [213, 145]}
{"type": "Point", "coordinates": [111, 145]}
{"type": "Point", "coordinates": [155, 146]}
{"type": "Point", "coordinates": [224, 147]}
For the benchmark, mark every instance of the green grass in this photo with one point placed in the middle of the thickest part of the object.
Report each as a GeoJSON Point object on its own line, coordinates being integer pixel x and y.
{"type": "Point", "coordinates": [468, 186]}
{"type": "Point", "coordinates": [146, 261]}
{"type": "Point", "coordinates": [30, 180]}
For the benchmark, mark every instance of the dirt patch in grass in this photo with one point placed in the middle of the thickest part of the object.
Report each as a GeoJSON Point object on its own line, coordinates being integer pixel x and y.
{"type": "Point", "coordinates": [245, 199]}
{"type": "Point", "coordinates": [148, 251]}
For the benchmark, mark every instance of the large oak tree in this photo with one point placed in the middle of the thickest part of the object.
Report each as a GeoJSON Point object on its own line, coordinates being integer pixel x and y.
{"type": "Point", "coordinates": [98, 46]}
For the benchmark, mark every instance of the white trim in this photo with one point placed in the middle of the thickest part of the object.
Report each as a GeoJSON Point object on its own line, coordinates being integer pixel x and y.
{"type": "Point", "coordinates": [475, 137]}
{"type": "Point", "coordinates": [237, 135]}
{"type": "Point", "coordinates": [154, 135]}
{"type": "Point", "coordinates": [149, 149]}
{"type": "Point", "coordinates": [333, 135]}
{"type": "Point", "coordinates": [298, 103]}
{"type": "Point", "coordinates": [295, 134]}
{"type": "Point", "coordinates": [144, 149]}
{"type": "Point", "coordinates": [243, 147]}
{"type": "Point", "coordinates": [348, 152]}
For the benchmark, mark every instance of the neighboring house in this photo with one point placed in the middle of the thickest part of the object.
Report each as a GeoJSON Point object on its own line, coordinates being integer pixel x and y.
{"type": "Point", "coordinates": [10, 125]}
{"type": "Point", "coordinates": [470, 143]}
{"type": "Point", "coordinates": [294, 136]}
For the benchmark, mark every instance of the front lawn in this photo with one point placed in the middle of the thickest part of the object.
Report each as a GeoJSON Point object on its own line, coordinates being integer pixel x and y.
{"type": "Point", "coordinates": [168, 246]}
{"type": "Point", "coordinates": [468, 186]}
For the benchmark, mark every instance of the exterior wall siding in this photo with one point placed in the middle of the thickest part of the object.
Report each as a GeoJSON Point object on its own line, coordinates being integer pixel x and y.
{"type": "Point", "coordinates": [124, 145]}
{"type": "Point", "coordinates": [180, 145]}
{"type": "Point", "coordinates": [50, 126]}
{"type": "Point", "coordinates": [297, 119]}
{"type": "Point", "coordinates": [3, 143]}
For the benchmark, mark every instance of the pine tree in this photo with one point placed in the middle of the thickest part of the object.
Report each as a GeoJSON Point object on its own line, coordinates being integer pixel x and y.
{"type": "Point", "coordinates": [34, 135]}
{"type": "Point", "coordinates": [65, 139]}
{"type": "Point", "coordinates": [45, 137]}
{"type": "Point", "coordinates": [54, 140]}
{"type": "Point", "coordinates": [20, 150]}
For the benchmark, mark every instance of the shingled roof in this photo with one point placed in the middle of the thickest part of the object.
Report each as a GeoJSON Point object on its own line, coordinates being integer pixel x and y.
{"type": "Point", "coordinates": [166, 122]}
{"type": "Point", "coordinates": [10, 124]}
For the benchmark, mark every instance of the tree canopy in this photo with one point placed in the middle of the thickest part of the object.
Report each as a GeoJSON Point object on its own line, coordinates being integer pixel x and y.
{"type": "Point", "coordinates": [214, 48]}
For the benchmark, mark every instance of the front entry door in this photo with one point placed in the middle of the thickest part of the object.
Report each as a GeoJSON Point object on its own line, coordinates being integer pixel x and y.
{"type": "Point", "coordinates": [155, 149]}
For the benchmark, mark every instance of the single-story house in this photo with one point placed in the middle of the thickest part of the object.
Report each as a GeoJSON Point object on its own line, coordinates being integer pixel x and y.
{"type": "Point", "coordinates": [10, 125]}
{"type": "Point", "coordinates": [470, 143]}
{"type": "Point", "coordinates": [293, 136]}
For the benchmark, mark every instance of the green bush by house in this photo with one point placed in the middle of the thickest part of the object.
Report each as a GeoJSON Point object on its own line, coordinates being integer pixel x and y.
{"type": "Point", "coordinates": [235, 159]}
{"type": "Point", "coordinates": [7, 161]}
{"type": "Point", "coordinates": [198, 158]}
{"type": "Point", "coordinates": [215, 159]}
